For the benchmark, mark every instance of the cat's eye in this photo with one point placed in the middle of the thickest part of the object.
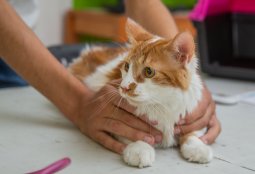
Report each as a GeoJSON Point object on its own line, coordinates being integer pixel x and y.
{"type": "Point", "coordinates": [148, 72]}
{"type": "Point", "coordinates": [126, 66]}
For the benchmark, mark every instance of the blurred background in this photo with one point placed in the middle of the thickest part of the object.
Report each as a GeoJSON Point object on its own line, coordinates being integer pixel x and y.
{"type": "Point", "coordinates": [51, 26]}
{"type": "Point", "coordinates": [224, 30]}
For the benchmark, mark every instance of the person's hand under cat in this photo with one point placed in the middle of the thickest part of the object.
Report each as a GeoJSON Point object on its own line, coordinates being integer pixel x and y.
{"type": "Point", "coordinates": [101, 118]}
{"type": "Point", "coordinates": [203, 116]}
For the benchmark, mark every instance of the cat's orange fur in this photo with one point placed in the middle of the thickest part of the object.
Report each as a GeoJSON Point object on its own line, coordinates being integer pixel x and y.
{"type": "Point", "coordinates": [89, 61]}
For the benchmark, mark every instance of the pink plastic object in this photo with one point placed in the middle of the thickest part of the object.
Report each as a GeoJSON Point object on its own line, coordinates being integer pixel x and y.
{"type": "Point", "coordinates": [243, 6]}
{"type": "Point", "coordinates": [54, 167]}
{"type": "Point", "coordinates": [206, 8]}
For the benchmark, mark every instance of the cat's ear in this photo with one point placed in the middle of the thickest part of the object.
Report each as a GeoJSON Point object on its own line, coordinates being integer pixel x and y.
{"type": "Point", "coordinates": [135, 32]}
{"type": "Point", "coordinates": [182, 47]}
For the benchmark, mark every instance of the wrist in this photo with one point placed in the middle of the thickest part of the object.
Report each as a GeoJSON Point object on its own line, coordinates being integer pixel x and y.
{"type": "Point", "coordinates": [83, 96]}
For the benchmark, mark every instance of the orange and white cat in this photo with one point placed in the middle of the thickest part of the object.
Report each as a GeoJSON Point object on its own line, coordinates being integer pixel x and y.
{"type": "Point", "coordinates": [159, 77]}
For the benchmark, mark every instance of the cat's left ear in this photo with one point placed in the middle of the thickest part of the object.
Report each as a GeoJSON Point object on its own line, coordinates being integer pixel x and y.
{"type": "Point", "coordinates": [136, 32]}
{"type": "Point", "coordinates": [182, 47]}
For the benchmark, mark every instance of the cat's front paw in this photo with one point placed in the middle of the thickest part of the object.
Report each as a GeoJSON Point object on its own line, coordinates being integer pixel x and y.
{"type": "Point", "coordinates": [195, 150]}
{"type": "Point", "coordinates": [139, 154]}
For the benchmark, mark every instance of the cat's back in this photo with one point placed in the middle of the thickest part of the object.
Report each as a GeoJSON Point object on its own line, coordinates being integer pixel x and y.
{"type": "Point", "coordinates": [97, 65]}
{"type": "Point", "coordinates": [91, 57]}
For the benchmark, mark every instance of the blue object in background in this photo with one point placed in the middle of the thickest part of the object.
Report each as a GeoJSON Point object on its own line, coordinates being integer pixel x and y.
{"type": "Point", "coordinates": [8, 78]}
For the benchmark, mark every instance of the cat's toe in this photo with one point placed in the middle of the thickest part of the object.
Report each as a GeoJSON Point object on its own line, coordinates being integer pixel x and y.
{"type": "Point", "coordinates": [139, 154]}
{"type": "Point", "coordinates": [194, 150]}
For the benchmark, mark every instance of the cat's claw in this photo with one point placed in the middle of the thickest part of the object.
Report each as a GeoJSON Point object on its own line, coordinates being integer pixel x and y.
{"type": "Point", "coordinates": [139, 154]}
{"type": "Point", "coordinates": [194, 150]}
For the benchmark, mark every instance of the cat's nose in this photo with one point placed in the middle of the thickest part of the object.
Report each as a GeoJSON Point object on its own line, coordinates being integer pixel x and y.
{"type": "Point", "coordinates": [125, 89]}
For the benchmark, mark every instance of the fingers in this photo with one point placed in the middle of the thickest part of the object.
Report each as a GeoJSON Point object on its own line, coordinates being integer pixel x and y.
{"type": "Point", "coordinates": [131, 109]}
{"type": "Point", "coordinates": [198, 124]}
{"type": "Point", "coordinates": [124, 105]}
{"type": "Point", "coordinates": [136, 123]}
{"type": "Point", "coordinates": [127, 125]}
{"type": "Point", "coordinates": [214, 130]}
{"type": "Point", "coordinates": [109, 142]}
{"type": "Point", "coordinates": [146, 119]}
{"type": "Point", "coordinates": [118, 128]}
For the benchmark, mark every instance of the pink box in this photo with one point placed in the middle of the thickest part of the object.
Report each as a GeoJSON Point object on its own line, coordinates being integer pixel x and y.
{"type": "Point", "coordinates": [206, 8]}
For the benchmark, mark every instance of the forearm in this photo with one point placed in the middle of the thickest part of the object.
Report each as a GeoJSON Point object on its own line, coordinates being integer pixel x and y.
{"type": "Point", "coordinates": [153, 16]}
{"type": "Point", "coordinates": [22, 50]}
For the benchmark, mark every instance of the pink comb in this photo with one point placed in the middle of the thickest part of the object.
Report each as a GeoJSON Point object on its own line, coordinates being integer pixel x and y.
{"type": "Point", "coordinates": [54, 167]}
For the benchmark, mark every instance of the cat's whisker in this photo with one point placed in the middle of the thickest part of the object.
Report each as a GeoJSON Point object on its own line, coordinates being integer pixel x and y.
{"type": "Point", "coordinates": [105, 104]}
{"type": "Point", "coordinates": [103, 95]}
{"type": "Point", "coordinates": [148, 121]}
{"type": "Point", "coordinates": [159, 103]}
{"type": "Point", "coordinates": [118, 105]}
{"type": "Point", "coordinates": [114, 83]}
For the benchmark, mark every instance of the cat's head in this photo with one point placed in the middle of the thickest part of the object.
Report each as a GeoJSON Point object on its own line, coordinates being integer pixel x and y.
{"type": "Point", "coordinates": [153, 64]}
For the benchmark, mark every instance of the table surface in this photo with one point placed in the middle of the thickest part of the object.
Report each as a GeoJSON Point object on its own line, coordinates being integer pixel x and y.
{"type": "Point", "coordinates": [34, 134]}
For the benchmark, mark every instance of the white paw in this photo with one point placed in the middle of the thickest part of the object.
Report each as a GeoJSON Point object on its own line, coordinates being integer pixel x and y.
{"type": "Point", "coordinates": [139, 154]}
{"type": "Point", "coordinates": [195, 150]}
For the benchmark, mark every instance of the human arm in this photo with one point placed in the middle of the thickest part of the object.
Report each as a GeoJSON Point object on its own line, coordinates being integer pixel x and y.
{"type": "Point", "coordinates": [23, 51]}
{"type": "Point", "coordinates": [153, 16]}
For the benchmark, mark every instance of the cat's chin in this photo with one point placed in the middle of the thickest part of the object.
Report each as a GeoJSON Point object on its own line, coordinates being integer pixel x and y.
{"type": "Point", "coordinates": [130, 100]}
{"type": "Point", "coordinates": [133, 102]}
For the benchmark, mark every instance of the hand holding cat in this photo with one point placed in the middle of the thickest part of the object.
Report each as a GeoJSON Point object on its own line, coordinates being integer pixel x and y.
{"type": "Point", "coordinates": [203, 116]}
{"type": "Point", "coordinates": [100, 118]}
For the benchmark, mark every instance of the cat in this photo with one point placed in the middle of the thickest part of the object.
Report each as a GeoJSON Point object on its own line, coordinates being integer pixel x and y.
{"type": "Point", "coordinates": [159, 77]}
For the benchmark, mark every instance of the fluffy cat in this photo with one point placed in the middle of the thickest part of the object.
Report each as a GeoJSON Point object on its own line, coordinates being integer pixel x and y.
{"type": "Point", "coordinates": [159, 77]}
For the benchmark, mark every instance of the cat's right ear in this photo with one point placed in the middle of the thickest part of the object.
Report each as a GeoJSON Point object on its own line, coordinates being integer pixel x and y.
{"type": "Point", "coordinates": [182, 47]}
{"type": "Point", "coordinates": [135, 32]}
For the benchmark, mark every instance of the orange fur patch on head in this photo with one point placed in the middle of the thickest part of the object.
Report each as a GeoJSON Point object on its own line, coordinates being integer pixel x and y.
{"type": "Point", "coordinates": [136, 33]}
{"type": "Point", "coordinates": [115, 73]}
{"type": "Point", "coordinates": [132, 86]}
{"type": "Point", "coordinates": [130, 90]}
{"type": "Point", "coordinates": [156, 55]}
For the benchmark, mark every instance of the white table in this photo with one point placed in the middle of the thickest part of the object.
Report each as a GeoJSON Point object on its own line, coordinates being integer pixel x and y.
{"type": "Point", "coordinates": [34, 134]}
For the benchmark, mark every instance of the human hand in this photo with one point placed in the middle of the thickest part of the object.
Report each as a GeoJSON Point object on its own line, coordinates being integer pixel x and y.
{"type": "Point", "coordinates": [100, 117]}
{"type": "Point", "coordinates": [203, 116]}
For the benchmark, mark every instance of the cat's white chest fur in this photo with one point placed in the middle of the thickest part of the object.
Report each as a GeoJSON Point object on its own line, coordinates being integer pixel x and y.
{"type": "Point", "coordinates": [165, 120]}
{"type": "Point", "coordinates": [170, 105]}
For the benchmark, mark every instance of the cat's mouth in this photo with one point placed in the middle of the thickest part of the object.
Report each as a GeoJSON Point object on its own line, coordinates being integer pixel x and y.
{"type": "Point", "coordinates": [132, 99]}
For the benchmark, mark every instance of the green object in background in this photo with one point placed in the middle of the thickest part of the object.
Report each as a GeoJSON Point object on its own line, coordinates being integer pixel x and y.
{"type": "Point", "coordinates": [188, 4]}
{"type": "Point", "coordinates": [101, 4]}
{"type": "Point", "coordinates": [173, 4]}
{"type": "Point", "coordinates": [83, 4]}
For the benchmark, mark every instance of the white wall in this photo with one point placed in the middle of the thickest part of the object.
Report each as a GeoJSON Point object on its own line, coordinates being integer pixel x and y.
{"type": "Point", "coordinates": [50, 26]}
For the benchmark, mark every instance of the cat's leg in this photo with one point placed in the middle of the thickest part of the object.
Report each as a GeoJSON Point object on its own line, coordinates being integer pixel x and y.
{"type": "Point", "coordinates": [194, 150]}
{"type": "Point", "coordinates": [139, 154]}
{"type": "Point", "coordinates": [168, 139]}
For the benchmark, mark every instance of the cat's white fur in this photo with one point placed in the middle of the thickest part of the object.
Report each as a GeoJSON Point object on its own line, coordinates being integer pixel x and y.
{"type": "Point", "coordinates": [164, 104]}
